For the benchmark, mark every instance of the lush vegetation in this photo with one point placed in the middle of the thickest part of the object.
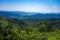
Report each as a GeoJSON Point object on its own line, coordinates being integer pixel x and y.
{"type": "Point", "coordinates": [41, 29]}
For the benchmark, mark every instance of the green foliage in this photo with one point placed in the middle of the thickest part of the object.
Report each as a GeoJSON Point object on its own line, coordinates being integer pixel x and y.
{"type": "Point", "coordinates": [39, 31]}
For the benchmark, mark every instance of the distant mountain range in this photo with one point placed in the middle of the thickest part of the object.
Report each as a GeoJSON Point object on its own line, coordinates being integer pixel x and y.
{"type": "Point", "coordinates": [19, 14]}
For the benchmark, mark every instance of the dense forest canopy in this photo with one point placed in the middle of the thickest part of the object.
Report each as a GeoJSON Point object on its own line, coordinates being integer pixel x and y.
{"type": "Point", "coordinates": [29, 29]}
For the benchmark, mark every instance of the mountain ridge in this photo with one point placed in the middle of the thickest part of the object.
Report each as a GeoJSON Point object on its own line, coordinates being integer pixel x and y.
{"type": "Point", "coordinates": [20, 14]}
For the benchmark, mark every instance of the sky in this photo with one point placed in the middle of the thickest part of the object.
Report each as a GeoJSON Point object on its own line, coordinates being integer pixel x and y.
{"type": "Point", "coordinates": [45, 6]}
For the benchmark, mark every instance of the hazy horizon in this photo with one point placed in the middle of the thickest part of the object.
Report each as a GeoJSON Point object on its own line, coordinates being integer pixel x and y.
{"type": "Point", "coordinates": [41, 6]}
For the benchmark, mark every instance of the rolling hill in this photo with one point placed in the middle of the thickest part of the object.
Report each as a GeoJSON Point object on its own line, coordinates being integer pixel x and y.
{"type": "Point", "coordinates": [19, 14]}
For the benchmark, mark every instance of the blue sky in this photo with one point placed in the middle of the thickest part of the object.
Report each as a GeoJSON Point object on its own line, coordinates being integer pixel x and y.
{"type": "Point", "coordinates": [30, 5]}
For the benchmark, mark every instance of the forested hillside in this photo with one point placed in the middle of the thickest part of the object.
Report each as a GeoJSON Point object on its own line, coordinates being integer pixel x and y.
{"type": "Point", "coordinates": [29, 29]}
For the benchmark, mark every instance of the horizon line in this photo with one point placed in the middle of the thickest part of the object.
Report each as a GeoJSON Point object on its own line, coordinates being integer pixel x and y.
{"type": "Point", "coordinates": [27, 11]}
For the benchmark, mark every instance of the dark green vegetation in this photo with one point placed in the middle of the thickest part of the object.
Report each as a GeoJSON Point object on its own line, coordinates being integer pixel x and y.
{"type": "Point", "coordinates": [29, 29]}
